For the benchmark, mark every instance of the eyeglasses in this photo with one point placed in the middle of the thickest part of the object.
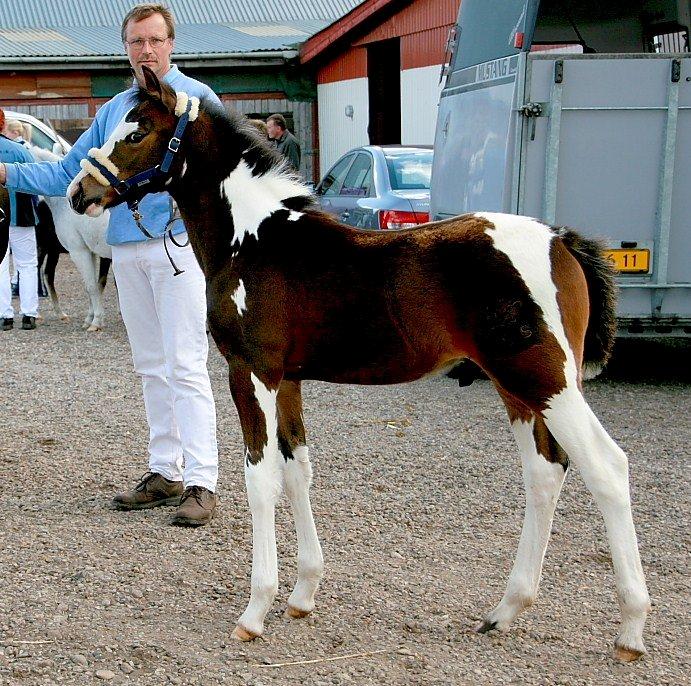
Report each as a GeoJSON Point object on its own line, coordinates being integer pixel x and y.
{"type": "Point", "coordinates": [138, 43]}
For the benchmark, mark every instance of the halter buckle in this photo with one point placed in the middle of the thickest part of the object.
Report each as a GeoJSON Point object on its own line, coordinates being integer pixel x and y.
{"type": "Point", "coordinates": [174, 144]}
{"type": "Point", "coordinates": [121, 188]}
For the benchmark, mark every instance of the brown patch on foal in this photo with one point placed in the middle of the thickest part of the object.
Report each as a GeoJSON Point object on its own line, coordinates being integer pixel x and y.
{"type": "Point", "coordinates": [574, 309]}
{"type": "Point", "coordinates": [547, 445]}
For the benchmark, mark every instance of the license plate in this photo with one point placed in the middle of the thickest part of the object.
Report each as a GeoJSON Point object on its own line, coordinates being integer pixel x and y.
{"type": "Point", "coordinates": [629, 261]}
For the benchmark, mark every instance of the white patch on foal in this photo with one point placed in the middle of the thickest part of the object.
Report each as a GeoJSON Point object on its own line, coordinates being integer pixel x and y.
{"type": "Point", "coordinates": [253, 199]}
{"type": "Point", "coordinates": [264, 482]}
{"type": "Point", "coordinates": [527, 242]}
{"type": "Point", "coordinates": [239, 298]}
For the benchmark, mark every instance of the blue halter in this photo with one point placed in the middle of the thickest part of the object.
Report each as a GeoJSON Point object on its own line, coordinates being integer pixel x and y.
{"type": "Point", "coordinates": [135, 183]}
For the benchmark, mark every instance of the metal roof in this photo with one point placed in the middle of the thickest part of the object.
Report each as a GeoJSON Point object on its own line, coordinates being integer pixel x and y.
{"type": "Point", "coordinates": [81, 13]}
{"type": "Point", "coordinates": [191, 39]}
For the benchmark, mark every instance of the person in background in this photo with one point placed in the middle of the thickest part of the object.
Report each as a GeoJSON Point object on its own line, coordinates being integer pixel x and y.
{"type": "Point", "coordinates": [286, 143]}
{"type": "Point", "coordinates": [22, 241]}
{"type": "Point", "coordinates": [15, 131]}
{"type": "Point", "coordinates": [27, 132]}
{"type": "Point", "coordinates": [164, 314]}
{"type": "Point", "coordinates": [260, 126]}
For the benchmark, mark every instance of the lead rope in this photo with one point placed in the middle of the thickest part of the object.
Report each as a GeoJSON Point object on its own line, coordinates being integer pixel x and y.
{"type": "Point", "coordinates": [174, 216]}
{"type": "Point", "coordinates": [167, 230]}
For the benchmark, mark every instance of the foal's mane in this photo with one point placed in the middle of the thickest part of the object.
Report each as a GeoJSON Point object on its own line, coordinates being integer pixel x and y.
{"type": "Point", "coordinates": [233, 133]}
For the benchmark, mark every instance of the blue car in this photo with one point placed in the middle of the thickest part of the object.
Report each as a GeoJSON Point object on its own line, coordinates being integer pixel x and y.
{"type": "Point", "coordinates": [379, 187]}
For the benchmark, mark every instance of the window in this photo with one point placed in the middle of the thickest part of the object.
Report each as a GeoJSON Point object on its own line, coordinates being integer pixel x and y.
{"type": "Point", "coordinates": [487, 31]}
{"type": "Point", "coordinates": [334, 179]}
{"type": "Point", "coordinates": [410, 170]}
{"type": "Point", "coordinates": [38, 138]}
{"type": "Point", "coordinates": [358, 181]}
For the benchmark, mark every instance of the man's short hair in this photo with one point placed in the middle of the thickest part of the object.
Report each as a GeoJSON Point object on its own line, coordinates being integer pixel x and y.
{"type": "Point", "coordinates": [2, 119]}
{"type": "Point", "coordinates": [278, 119]}
{"type": "Point", "coordinates": [145, 10]}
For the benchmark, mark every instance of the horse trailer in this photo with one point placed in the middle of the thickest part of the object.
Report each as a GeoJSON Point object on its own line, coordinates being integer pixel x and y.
{"type": "Point", "coordinates": [579, 114]}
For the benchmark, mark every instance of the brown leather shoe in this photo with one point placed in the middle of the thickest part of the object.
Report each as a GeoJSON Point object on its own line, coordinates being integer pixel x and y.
{"type": "Point", "coordinates": [153, 490]}
{"type": "Point", "coordinates": [197, 507]}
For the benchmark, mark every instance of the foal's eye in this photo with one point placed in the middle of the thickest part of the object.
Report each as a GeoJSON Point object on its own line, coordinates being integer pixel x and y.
{"type": "Point", "coordinates": [135, 137]}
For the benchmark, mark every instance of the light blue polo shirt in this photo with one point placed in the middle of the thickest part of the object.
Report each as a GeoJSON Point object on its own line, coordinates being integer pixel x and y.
{"type": "Point", "coordinates": [53, 178]}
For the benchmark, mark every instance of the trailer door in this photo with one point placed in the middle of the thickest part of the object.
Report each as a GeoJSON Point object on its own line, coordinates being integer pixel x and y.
{"type": "Point", "coordinates": [610, 155]}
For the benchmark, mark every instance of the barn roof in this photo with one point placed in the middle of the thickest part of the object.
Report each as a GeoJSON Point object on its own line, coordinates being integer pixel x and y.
{"type": "Point", "coordinates": [75, 30]}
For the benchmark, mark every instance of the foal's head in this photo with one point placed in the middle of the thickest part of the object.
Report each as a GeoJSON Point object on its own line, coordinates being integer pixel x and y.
{"type": "Point", "coordinates": [137, 144]}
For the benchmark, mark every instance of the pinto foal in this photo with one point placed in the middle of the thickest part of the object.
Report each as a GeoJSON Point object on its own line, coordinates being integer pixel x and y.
{"type": "Point", "coordinates": [294, 295]}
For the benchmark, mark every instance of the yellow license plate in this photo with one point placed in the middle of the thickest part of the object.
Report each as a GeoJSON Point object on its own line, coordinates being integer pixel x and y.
{"type": "Point", "coordinates": [629, 261]}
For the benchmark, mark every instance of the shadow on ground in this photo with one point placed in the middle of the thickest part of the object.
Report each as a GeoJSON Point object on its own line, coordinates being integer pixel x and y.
{"type": "Point", "coordinates": [650, 360]}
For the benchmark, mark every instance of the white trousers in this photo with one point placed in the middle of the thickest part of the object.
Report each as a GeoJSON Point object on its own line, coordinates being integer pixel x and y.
{"type": "Point", "coordinates": [24, 254]}
{"type": "Point", "coordinates": [165, 317]}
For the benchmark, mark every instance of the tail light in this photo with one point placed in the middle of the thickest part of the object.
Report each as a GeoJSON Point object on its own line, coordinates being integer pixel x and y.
{"type": "Point", "coordinates": [395, 219]}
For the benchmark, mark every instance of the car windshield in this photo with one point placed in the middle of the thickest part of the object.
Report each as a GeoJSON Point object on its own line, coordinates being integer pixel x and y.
{"type": "Point", "coordinates": [410, 169]}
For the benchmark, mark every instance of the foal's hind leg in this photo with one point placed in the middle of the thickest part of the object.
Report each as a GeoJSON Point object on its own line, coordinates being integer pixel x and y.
{"type": "Point", "coordinates": [297, 473]}
{"type": "Point", "coordinates": [604, 467]}
{"type": "Point", "coordinates": [544, 469]}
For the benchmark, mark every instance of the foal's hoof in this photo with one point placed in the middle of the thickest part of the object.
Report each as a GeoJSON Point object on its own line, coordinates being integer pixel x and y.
{"type": "Point", "coordinates": [94, 327]}
{"type": "Point", "coordinates": [241, 634]}
{"type": "Point", "coordinates": [64, 317]}
{"type": "Point", "coordinates": [484, 626]}
{"type": "Point", "coordinates": [624, 654]}
{"type": "Point", "coordinates": [294, 613]}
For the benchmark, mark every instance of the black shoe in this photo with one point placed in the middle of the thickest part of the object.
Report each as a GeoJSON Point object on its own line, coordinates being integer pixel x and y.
{"type": "Point", "coordinates": [7, 323]}
{"type": "Point", "coordinates": [28, 323]}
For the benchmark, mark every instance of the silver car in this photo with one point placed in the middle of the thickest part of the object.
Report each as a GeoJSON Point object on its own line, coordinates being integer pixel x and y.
{"type": "Point", "coordinates": [42, 135]}
{"type": "Point", "coordinates": [379, 187]}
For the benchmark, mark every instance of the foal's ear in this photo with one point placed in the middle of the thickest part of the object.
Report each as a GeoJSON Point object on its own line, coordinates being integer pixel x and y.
{"type": "Point", "coordinates": [162, 91]}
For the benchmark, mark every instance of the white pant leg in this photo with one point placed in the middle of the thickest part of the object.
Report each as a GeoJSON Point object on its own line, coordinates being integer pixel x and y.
{"type": "Point", "coordinates": [23, 244]}
{"type": "Point", "coordinates": [179, 315]}
{"type": "Point", "coordinates": [181, 308]}
{"type": "Point", "coordinates": [6, 309]}
{"type": "Point", "coordinates": [144, 332]}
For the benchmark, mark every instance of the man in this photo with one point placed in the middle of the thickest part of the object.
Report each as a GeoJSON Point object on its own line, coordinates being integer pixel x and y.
{"type": "Point", "coordinates": [286, 143]}
{"type": "Point", "coordinates": [21, 133]}
{"type": "Point", "coordinates": [22, 243]}
{"type": "Point", "coordinates": [165, 315]}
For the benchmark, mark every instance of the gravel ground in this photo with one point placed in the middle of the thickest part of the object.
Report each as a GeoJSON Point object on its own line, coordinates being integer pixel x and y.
{"type": "Point", "coordinates": [418, 502]}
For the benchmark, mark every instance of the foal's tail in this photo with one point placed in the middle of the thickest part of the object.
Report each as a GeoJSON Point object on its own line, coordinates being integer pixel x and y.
{"type": "Point", "coordinates": [602, 294]}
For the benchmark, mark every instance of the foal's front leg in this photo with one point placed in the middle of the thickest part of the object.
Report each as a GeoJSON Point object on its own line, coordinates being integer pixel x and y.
{"type": "Point", "coordinates": [297, 479]}
{"type": "Point", "coordinates": [256, 404]}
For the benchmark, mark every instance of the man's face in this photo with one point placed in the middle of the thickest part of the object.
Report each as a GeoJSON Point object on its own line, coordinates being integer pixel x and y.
{"type": "Point", "coordinates": [147, 43]}
{"type": "Point", "coordinates": [273, 129]}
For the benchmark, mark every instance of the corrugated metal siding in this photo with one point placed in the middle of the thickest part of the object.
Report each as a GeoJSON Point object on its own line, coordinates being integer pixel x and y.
{"type": "Point", "coordinates": [420, 90]}
{"type": "Point", "coordinates": [338, 133]}
{"type": "Point", "coordinates": [418, 16]}
{"type": "Point", "coordinates": [58, 13]}
{"type": "Point", "coordinates": [351, 64]}
{"type": "Point", "coordinates": [191, 39]}
{"type": "Point", "coordinates": [424, 48]}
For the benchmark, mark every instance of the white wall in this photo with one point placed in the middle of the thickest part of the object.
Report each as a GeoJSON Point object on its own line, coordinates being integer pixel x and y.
{"type": "Point", "coordinates": [338, 133]}
{"type": "Point", "coordinates": [420, 89]}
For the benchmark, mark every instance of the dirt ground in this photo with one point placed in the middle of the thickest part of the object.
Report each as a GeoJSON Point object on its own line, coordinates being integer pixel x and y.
{"type": "Point", "coordinates": [418, 501]}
